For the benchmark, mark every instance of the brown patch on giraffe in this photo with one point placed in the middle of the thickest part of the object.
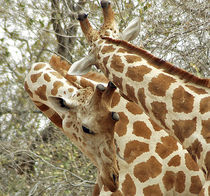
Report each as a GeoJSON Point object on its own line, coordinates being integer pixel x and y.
{"type": "Point", "coordinates": [136, 73]}
{"type": "Point", "coordinates": [85, 83]}
{"type": "Point", "coordinates": [195, 149]}
{"type": "Point", "coordinates": [169, 179]}
{"type": "Point", "coordinates": [68, 124]}
{"type": "Point", "coordinates": [57, 75]}
{"type": "Point", "coordinates": [159, 110]}
{"type": "Point", "coordinates": [197, 90]}
{"type": "Point", "coordinates": [182, 101]}
{"type": "Point", "coordinates": [140, 129]}
{"type": "Point", "coordinates": [149, 169]}
{"type": "Point", "coordinates": [41, 92]}
{"type": "Point", "coordinates": [190, 163]}
{"type": "Point", "coordinates": [75, 136]}
{"type": "Point", "coordinates": [132, 58]}
{"type": "Point", "coordinates": [56, 86]}
{"type": "Point", "coordinates": [122, 50]}
{"type": "Point", "coordinates": [47, 77]}
{"type": "Point", "coordinates": [107, 49]}
{"type": "Point", "coordinates": [207, 164]}
{"type": "Point", "coordinates": [121, 125]}
{"type": "Point", "coordinates": [152, 190]}
{"type": "Point", "coordinates": [60, 65]}
{"type": "Point", "coordinates": [35, 77]}
{"type": "Point", "coordinates": [155, 125]}
{"type": "Point", "coordinates": [159, 63]}
{"type": "Point", "coordinates": [43, 107]}
{"type": "Point", "coordinates": [128, 186]}
{"type": "Point", "coordinates": [115, 99]}
{"type": "Point", "coordinates": [117, 64]}
{"type": "Point", "coordinates": [133, 108]}
{"type": "Point", "coordinates": [70, 90]}
{"type": "Point", "coordinates": [106, 153]}
{"type": "Point", "coordinates": [105, 60]}
{"type": "Point", "coordinates": [180, 182]}
{"type": "Point", "coordinates": [159, 85]}
{"type": "Point", "coordinates": [27, 89]}
{"type": "Point", "coordinates": [168, 146]}
{"type": "Point", "coordinates": [134, 149]}
{"type": "Point", "coordinates": [205, 105]}
{"type": "Point", "coordinates": [118, 82]}
{"type": "Point", "coordinates": [98, 77]}
{"type": "Point", "coordinates": [56, 119]}
{"type": "Point", "coordinates": [131, 93]}
{"type": "Point", "coordinates": [196, 185]}
{"type": "Point", "coordinates": [141, 97]}
{"type": "Point", "coordinates": [71, 79]}
{"type": "Point", "coordinates": [39, 66]}
{"type": "Point", "coordinates": [175, 161]}
{"type": "Point", "coordinates": [184, 128]}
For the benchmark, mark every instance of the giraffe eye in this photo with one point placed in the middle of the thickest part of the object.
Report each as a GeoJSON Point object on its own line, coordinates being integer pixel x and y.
{"type": "Point", "coordinates": [86, 130]}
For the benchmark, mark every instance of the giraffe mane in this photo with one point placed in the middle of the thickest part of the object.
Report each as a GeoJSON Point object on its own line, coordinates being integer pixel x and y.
{"type": "Point", "coordinates": [159, 63]}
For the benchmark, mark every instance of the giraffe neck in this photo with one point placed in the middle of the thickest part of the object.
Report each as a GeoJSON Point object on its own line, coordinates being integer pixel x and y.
{"type": "Point", "coordinates": [139, 138]}
{"type": "Point", "coordinates": [135, 136]}
{"type": "Point", "coordinates": [180, 106]}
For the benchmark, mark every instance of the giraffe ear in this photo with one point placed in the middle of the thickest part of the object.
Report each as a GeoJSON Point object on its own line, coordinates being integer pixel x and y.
{"type": "Point", "coordinates": [132, 30]}
{"type": "Point", "coordinates": [82, 66]}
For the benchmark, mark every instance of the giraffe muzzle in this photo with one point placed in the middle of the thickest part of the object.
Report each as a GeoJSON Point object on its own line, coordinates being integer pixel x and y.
{"type": "Point", "coordinates": [105, 4]}
{"type": "Point", "coordinates": [82, 16]}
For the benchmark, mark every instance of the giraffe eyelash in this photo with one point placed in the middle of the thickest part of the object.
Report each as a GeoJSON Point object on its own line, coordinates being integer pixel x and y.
{"type": "Point", "coordinates": [63, 103]}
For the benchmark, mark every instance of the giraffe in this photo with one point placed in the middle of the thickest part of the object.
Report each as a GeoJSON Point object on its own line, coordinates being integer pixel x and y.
{"type": "Point", "coordinates": [83, 115]}
{"type": "Point", "coordinates": [127, 187]}
{"type": "Point", "coordinates": [149, 161]}
{"type": "Point", "coordinates": [176, 100]}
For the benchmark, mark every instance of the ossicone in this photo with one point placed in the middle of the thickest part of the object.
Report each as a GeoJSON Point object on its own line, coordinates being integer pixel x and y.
{"type": "Point", "coordinates": [82, 16]}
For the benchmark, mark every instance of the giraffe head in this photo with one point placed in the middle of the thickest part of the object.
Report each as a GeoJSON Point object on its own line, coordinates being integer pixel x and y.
{"type": "Point", "coordinates": [95, 38]}
{"type": "Point", "coordinates": [83, 114]}
{"type": "Point", "coordinates": [89, 122]}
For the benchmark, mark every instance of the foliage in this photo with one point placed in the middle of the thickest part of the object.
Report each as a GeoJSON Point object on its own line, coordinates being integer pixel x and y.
{"type": "Point", "coordinates": [32, 31]}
